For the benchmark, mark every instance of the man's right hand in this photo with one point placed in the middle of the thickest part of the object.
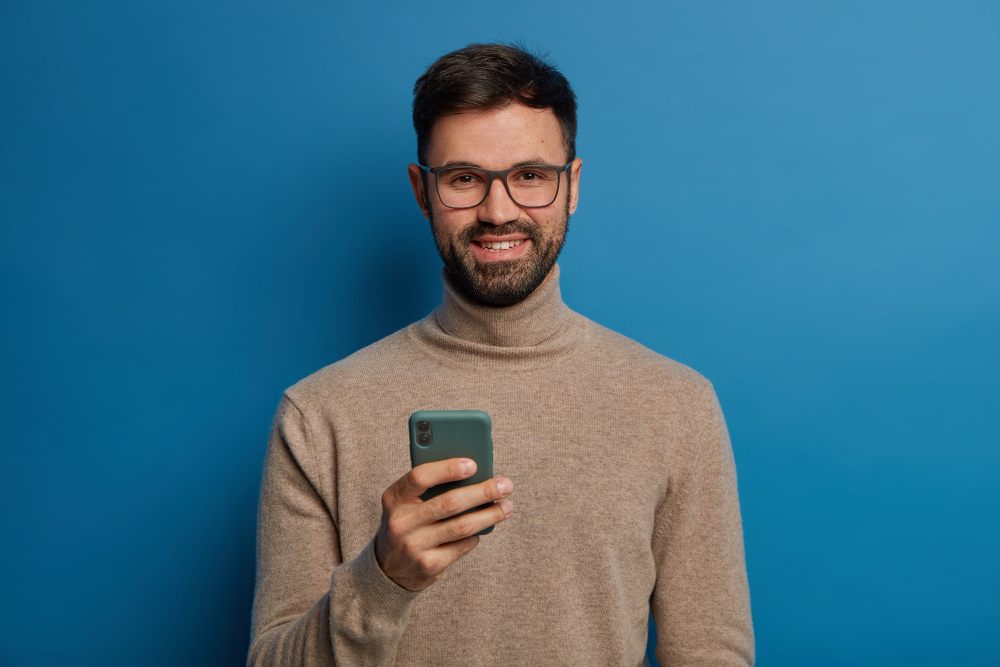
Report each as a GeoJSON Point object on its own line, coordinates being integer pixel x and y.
{"type": "Point", "coordinates": [415, 544]}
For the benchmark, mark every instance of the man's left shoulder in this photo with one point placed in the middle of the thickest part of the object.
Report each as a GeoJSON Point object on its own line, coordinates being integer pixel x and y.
{"type": "Point", "coordinates": [618, 353]}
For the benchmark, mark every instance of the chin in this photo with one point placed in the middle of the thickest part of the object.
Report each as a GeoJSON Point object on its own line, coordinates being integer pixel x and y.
{"type": "Point", "coordinates": [500, 283]}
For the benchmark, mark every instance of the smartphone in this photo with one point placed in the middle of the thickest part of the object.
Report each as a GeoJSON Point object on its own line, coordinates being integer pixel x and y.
{"type": "Point", "coordinates": [436, 435]}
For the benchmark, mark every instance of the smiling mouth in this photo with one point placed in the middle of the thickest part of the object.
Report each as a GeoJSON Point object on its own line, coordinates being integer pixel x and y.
{"type": "Point", "coordinates": [497, 246]}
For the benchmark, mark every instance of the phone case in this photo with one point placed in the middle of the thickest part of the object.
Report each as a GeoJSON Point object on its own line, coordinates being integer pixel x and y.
{"type": "Point", "coordinates": [453, 434]}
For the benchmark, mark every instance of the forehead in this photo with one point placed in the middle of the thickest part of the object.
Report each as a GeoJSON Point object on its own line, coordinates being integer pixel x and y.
{"type": "Point", "coordinates": [496, 138]}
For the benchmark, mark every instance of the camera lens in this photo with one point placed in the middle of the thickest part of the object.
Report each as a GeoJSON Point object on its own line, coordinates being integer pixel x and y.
{"type": "Point", "coordinates": [424, 439]}
{"type": "Point", "coordinates": [423, 427]}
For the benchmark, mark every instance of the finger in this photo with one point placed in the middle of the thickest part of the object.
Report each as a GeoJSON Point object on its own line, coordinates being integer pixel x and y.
{"type": "Point", "coordinates": [465, 497]}
{"type": "Point", "coordinates": [458, 548]}
{"type": "Point", "coordinates": [435, 561]}
{"type": "Point", "coordinates": [466, 525]}
{"type": "Point", "coordinates": [410, 486]}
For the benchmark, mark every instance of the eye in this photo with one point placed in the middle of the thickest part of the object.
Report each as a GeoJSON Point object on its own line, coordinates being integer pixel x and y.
{"type": "Point", "coordinates": [461, 179]}
{"type": "Point", "coordinates": [530, 176]}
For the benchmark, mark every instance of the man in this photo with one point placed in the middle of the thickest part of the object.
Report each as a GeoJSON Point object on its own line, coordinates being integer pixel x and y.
{"type": "Point", "coordinates": [624, 476]}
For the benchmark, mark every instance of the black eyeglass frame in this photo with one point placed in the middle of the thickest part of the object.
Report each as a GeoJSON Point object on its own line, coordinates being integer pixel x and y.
{"type": "Point", "coordinates": [493, 175]}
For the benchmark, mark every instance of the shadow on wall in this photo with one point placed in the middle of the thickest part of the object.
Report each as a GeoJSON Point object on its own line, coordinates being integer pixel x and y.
{"type": "Point", "coordinates": [399, 283]}
{"type": "Point", "coordinates": [197, 597]}
{"type": "Point", "coordinates": [389, 274]}
{"type": "Point", "coordinates": [227, 604]}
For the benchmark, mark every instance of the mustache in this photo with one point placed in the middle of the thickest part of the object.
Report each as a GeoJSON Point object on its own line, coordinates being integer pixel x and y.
{"type": "Point", "coordinates": [513, 227]}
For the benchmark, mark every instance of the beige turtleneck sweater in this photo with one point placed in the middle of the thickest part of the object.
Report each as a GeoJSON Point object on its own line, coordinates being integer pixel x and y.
{"type": "Point", "coordinates": [624, 501]}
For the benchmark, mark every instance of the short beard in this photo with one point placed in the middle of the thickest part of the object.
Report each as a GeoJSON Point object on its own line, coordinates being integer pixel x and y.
{"type": "Point", "coordinates": [506, 282]}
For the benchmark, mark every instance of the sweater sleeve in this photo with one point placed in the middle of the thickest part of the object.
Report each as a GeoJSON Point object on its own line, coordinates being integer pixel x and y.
{"type": "Point", "coordinates": [701, 600]}
{"type": "Point", "coordinates": [310, 606]}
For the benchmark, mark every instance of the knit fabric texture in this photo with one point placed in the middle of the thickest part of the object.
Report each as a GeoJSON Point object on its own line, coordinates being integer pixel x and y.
{"type": "Point", "coordinates": [625, 501]}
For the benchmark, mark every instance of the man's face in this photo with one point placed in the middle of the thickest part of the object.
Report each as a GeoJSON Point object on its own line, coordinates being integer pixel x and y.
{"type": "Point", "coordinates": [498, 139]}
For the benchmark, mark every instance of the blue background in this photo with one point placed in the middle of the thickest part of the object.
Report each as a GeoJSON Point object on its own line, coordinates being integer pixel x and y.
{"type": "Point", "coordinates": [203, 202]}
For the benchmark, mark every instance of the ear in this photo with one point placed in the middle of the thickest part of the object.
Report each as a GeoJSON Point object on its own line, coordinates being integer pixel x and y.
{"type": "Point", "coordinates": [419, 191]}
{"type": "Point", "coordinates": [574, 179]}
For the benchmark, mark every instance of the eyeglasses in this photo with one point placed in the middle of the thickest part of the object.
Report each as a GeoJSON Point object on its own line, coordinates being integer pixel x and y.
{"type": "Point", "coordinates": [530, 186]}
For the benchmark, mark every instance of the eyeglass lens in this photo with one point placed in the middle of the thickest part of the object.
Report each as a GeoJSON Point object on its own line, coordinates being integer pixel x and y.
{"type": "Point", "coordinates": [465, 187]}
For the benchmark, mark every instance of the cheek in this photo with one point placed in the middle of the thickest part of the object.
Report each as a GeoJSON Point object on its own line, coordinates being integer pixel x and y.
{"type": "Point", "coordinates": [449, 222]}
{"type": "Point", "coordinates": [551, 221]}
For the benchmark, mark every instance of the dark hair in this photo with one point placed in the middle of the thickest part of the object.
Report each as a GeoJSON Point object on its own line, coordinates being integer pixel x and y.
{"type": "Point", "coordinates": [491, 76]}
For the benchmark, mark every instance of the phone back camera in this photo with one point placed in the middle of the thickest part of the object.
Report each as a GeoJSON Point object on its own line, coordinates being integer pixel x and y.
{"type": "Point", "coordinates": [423, 427]}
{"type": "Point", "coordinates": [423, 438]}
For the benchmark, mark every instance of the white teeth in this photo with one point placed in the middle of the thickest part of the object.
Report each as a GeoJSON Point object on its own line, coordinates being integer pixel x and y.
{"type": "Point", "coordinates": [496, 246]}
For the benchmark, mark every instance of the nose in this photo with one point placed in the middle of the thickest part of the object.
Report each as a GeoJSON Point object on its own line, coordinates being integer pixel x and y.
{"type": "Point", "coordinates": [498, 208]}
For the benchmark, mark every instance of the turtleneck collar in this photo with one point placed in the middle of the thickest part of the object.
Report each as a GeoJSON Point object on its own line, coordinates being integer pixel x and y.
{"type": "Point", "coordinates": [523, 324]}
{"type": "Point", "coordinates": [535, 330]}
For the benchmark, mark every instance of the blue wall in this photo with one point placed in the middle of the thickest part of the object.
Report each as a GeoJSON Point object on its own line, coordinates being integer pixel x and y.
{"type": "Point", "coordinates": [202, 202]}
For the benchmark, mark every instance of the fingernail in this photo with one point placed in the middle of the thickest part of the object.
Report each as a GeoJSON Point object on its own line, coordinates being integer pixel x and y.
{"type": "Point", "coordinates": [467, 467]}
{"type": "Point", "coordinates": [507, 506]}
{"type": "Point", "coordinates": [504, 486]}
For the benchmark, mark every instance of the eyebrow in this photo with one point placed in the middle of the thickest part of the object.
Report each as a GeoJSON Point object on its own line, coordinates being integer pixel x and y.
{"type": "Point", "coordinates": [535, 161]}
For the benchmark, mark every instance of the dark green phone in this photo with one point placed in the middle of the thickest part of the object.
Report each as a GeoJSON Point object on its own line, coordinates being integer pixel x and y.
{"type": "Point", "coordinates": [436, 435]}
